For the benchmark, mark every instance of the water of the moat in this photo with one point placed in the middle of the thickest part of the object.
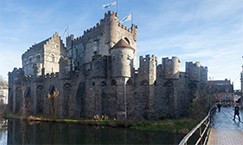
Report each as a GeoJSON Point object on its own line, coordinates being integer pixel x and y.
{"type": "Point", "coordinates": [23, 132]}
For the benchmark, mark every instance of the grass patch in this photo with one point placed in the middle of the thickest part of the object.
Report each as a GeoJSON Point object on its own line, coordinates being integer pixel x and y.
{"type": "Point", "coordinates": [182, 125]}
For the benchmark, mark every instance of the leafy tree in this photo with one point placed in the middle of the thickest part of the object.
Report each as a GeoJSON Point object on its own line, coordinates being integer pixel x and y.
{"type": "Point", "coordinates": [201, 105]}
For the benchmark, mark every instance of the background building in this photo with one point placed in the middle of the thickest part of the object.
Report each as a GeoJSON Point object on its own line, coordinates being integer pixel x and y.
{"type": "Point", "coordinates": [3, 94]}
{"type": "Point", "coordinates": [223, 91]}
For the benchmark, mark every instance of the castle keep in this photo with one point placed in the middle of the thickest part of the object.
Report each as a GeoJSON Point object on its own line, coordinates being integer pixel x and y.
{"type": "Point", "coordinates": [96, 74]}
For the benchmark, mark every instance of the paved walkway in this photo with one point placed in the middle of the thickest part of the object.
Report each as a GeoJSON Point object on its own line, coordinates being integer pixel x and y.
{"type": "Point", "coordinates": [224, 130]}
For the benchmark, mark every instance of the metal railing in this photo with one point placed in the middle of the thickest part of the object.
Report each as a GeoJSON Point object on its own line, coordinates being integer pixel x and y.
{"type": "Point", "coordinates": [206, 122]}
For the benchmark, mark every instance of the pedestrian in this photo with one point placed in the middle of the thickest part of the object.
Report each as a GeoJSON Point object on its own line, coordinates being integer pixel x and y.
{"type": "Point", "coordinates": [219, 106]}
{"type": "Point", "coordinates": [236, 112]}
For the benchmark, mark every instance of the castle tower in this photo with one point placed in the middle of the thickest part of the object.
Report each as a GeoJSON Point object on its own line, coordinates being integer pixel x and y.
{"type": "Point", "coordinates": [122, 55]}
{"type": "Point", "coordinates": [69, 45]}
{"type": "Point", "coordinates": [121, 67]}
{"type": "Point", "coordinates": [204, 76]}
{"type": "Point", "coordinates": [100, 39]}
{"type": "Point", "coordinates": [15, 86]}
{"type": "Point", "coordinates": [193, 70]}
{"type": "Point", "coordinates": [147, 77]}
{"type": "Point", "coordinates": [170, 68]}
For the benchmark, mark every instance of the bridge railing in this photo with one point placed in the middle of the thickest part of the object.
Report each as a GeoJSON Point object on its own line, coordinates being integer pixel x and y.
{"type": "Point", "coordinates": [202, 134]}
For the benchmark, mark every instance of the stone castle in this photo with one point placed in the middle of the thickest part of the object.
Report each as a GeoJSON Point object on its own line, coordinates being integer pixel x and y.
{"type": "Point", "coordinates": [96, 74]}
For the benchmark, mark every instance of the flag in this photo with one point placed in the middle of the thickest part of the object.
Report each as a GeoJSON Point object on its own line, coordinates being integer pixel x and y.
{"type": "Point", "coordinates": [107, 6]}
{"type": "Point", "coordinates": [65, 32]}
{"type": "Point", "coordinates": [127, 18]}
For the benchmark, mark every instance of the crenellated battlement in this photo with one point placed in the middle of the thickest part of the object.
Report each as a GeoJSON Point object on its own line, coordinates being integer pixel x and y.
{"type": "Point", "coordinates": [147, 58]}
{"type": "Point", "coordinates": [92, 29]}
{"type": "Point", "coordinates": [193, 70]}
{"type": "Point", "coordinates": [124, 27]}
{"type": "Point", "coordinates": [109, 13]}
{"type": "Point", "coordinates": [171, 67]}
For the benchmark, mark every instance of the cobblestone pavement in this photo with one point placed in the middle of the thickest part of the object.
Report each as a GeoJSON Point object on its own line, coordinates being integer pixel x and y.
{"type": "Point", "coordinates": [224, 130]}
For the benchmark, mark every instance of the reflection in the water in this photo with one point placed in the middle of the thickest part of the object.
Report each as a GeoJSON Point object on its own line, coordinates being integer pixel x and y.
{"type": "Point", "coordinates": [3, 131]}
{"type": "Point", "coordinates": [23, 132]}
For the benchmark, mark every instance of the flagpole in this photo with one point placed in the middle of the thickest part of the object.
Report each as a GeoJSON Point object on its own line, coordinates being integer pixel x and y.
{"type": "Point", "coordinates": [68, 30]}
{"type": "Point", "coordinates": [131, 18]}
{"type": "Point", "coordinates": [117, 7]}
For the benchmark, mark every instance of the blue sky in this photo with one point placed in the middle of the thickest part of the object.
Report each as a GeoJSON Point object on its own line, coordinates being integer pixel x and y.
{"type": "Point", "coordinates": [209, 31]}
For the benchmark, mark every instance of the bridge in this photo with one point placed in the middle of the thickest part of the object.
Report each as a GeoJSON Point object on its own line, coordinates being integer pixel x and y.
{"type": "Point", "coordinates": [224, 130]}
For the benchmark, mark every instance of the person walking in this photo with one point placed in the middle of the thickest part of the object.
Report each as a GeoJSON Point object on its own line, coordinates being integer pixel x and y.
{"type": "Point", "coordinates": [219, 106]}
{"type": "Point", "coordinates": [236, 112]}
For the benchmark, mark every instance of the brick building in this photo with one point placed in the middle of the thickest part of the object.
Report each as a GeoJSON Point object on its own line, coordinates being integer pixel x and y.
{"type": "Point", "coordinates": [223, 91]}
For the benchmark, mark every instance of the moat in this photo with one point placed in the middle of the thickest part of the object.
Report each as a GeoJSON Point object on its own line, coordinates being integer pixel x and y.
{"type": "Point", "coordinates": [23, 132]}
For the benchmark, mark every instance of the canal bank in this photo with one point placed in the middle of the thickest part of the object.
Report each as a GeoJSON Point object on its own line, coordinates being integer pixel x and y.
{"type": "Point", "coordinates": [182, 125]}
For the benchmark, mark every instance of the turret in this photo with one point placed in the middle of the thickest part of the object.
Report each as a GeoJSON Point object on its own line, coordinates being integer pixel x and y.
{"type": "Point", "coordinates": [69, 42]}
{"type": "Point", "coordinates": [111, 20]}
{"type": "Point", "coordinates": [17, 74]}
{"type": "Point", "coordinates": [147, 69]}
{"type": "Point", "coordinates": [121, 59]}
{"type": "Point", "coordinates": [193, 70]}
{"type": "Point", "coordinates": [204, 75]}
{"type": "Point", "coordinates": [170, 68]}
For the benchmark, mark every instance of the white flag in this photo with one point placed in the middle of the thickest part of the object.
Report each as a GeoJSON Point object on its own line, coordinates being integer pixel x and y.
{"type": "Point", "coordinates": [127, 18]}
{"type": "Point", "coordinates": [65, 32]}
{"type": "Point", "coordinates": [107, 6]}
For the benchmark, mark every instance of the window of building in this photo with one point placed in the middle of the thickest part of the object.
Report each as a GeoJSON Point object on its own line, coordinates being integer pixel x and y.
{"type": "Point", "coordinates": [113, 82]}
{"type": "Point", "coordinates": [52, 57]}
{"type": "Point", "coordinates": [52, 69]}
{"type": "Point", "coordinates": [38, 58]}
{"type": "Point", "coordinates": [127, 40]}
{"type": "Point", "coordinates": [30, 60]}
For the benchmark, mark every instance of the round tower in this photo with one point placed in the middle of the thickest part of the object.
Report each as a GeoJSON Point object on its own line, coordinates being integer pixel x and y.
{"type": "Point", "coordinates": [111, 20]}
{"type": "Point", "coordinates": [171, 68]}
{"type": "Point", "coordinates": [122, 55]}
{"type": "Point", "coordinates": [193, 70]}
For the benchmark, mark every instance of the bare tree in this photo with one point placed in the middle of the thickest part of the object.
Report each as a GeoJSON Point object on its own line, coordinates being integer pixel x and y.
{"type": "Point", "coordinates": [54, 103]}
{"type": "Point", "coordinates": [3, 82]}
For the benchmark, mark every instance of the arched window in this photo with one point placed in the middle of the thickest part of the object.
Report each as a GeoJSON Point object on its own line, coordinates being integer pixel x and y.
{"type": "Point", "coordinates": [129, 82]}
{"type": "Point", "coordinates": [52, 69]}
{"type": "Point", "coordinates": [37, 58]}
{"type": "Point", "coordinates": [144, 83]}
{"type": "Point", "coordinates": [113, 82]}
{"type": "Point", "coordinates": [155, 83]}
{"type": "Point", "coordinates": [30, 60]}
{"type": "Point", "coordinates": [127, 40]}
